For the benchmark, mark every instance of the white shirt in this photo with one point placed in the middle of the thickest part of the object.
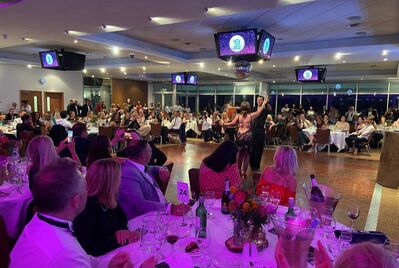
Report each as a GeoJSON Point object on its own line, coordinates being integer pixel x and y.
{"type": "Point", "coordinates": [206, 124]}
{"type": "Point", "coordinates": [64, 122]}
{"type": "Point", "coordinates": [140, 167]}
{"type": "Point", "coordinates": [44, 245]}
{"type": "Point", "coordinates": [175, 124]}
{"type": "Point", "coordinates": [366, 131]}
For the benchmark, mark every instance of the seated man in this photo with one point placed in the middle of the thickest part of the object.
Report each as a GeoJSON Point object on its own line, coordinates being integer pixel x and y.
{"type": "Point", "coordinates": [63, 120]}
{"type": "Point", "coordinates": [177, 126]}
{"type": "Point", "coordinates": [47, 240]}
{"type": "Point", "coordinates": [26, 125]}
{"type": "Point", "coordinates": [12, 114]}
{"type": "Point", "coordinates": [139, 193]}
{"type": "Point", "coordinates": [360, 136]}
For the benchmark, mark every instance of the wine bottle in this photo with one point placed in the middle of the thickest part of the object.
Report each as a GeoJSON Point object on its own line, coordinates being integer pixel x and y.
{"type": "Point", "coordinates": [290, 215]}
{"type": "Point", "coordinates": [226, 197]}
{"type": "Point", "coordinates": [316, 195]}
{"type": "Point", "coordinates": [201, 215]}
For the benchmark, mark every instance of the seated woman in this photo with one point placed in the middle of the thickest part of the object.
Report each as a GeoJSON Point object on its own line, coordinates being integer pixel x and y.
{"type": "Point", "coordinates": [320, 124]}
{"type": "Point", "coordinates": [102, 121]}
{"type": "Point", "coordinates": [360, 123]}
{"type": "Point", "coordinates": [342, 125]}
{"type": "Point", "coordinates": [102, 226]}
{"type": "Point", "coordinates": [89, 119]}
{"type": "Point", "coordinates": [282, 175]}
{"type": "Point", "coordinates": [64, 148]}
{"type": "Point", "coordinates": [100, 148]}
{"type": "Point", "coordinates": [219, 166]}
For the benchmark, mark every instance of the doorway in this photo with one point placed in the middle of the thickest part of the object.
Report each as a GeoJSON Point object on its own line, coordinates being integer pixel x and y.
{"type": "Point", "coordinates": [34, 99]}
{"type": "Point", "coordinates": [54, 101]}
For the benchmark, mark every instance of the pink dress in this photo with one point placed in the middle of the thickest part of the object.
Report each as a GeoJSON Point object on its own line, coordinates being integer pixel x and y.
{"type": "Point", "coordinates": [210, 180]}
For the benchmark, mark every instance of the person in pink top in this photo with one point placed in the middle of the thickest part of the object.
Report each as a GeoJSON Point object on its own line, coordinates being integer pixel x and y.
{"type": "Point", "coordinates": [219, 166]}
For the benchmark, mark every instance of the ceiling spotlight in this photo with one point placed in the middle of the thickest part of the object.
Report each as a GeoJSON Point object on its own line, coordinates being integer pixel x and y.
{"type": "Point", "coordinates": [385, 59]}
{"type": "Point", "coordinates": [150, 18]}
{"type": "Point", "coordinates": [26, 39]}
{"type": "Point", "coordinates": [145, 57]}
{"type": "Point", "coordinates": [103, 26]}
{"type": "Point", "coordinates": [123, 69]}
{"type": "Point", "coordinates": [384, 52]}
{"type": "Point", "coordinates": [344, 61]}
{"type": "Point", "coordinates": [115, 50]}
{"type": "Point", "coordinates": [206, 9]}
{"type": "Point", "coordinates": [338, 56]}
{"type": "Point", "coordinates": [219, 69]}
{"type": "Point", "coordinates": [201, 64]}
{"type": "Point", "coordinates": [144, 68]}
{"type": "Point", "coordinates": [274, 66]}
{"type": "Point", "coordinates": [274, 82]}
{"type": "Point", "coordinates": [66, 32]}
{"type": "Point", "coordinates": [230, 62]}
{"type": "Point", "coordinates": [29, 66]}
{"type": "Point", "coordinates": [92, 76]}
{"type": "Point", "coordinates": [296, 58]}
{"type": "Point", "coordinates": [361, 78]}
{"type": "Point", "coordinates": [75, 41]}
{"type": "Point", "coordinates": [84, 71]}
{"type": "Point", "coordinates": [102, 70]}
{"type": "Point", "coordinates": [261, 61]}
{"type": "Point", "coordinates": [124, 73]}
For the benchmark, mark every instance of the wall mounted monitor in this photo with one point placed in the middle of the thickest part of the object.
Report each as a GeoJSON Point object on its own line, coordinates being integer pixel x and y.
{"type": "Point", "coordinates": [236, 44]}
{"type": "Point", "coordinates": [191, 79]}
{"type": "Point", "coordinates": [265, 45]}
{"type": "Point", "coordinates": [50, 60]}
{"type": "Point", "coordinates": [313, 74]}
{"type": "Point", "coordinates": [178, 79]}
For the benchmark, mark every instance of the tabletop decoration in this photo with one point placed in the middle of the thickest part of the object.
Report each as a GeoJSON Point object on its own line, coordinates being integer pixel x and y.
{"type": "Point", "coordinates": [249, 215]}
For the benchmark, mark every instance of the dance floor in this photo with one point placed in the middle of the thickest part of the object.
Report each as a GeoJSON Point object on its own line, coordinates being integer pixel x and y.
{"type": "Point", "coordinates": [354, 177]}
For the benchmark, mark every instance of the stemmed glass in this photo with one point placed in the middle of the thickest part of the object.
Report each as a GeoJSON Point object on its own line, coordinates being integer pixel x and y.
{"type": "Point", "coordinates": [329, 224]}
{"type": "Point", "coordinates": [172, 234]}
{"type": "Point", "coordinates": [203, 244]}
{"type": "Point", "coordinates": [353, 213]}
{"type": "Point", "coordinates": [209, 201]}
{"type": "Point", "coordinates": [275, 198]}
{"type": "Point", "coordinates": [160, 235]}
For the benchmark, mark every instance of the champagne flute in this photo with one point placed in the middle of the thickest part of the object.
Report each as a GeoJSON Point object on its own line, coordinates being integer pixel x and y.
{"type": "Point", "coordinates": [209, 201]}
{"type": "Point", "coordinates": [353, 213]}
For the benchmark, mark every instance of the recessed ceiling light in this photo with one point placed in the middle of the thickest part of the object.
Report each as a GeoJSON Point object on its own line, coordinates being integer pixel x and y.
{"type": "Point", "coordinates": [123, 69]}
{"type": "Point", "coordinates": [143, 72]}
{"type": "Point", "coordinates": [29, 66]}
{"type": "Point", "coordinates": [115, 50]}
{"type": "Point", "coordinates": [230, 62]}
{"type": "Point", "coordinates": [102, 70]}
{"type": "Point", "coordinates": [361, 78]}
{"type": "Point", "coordinates": [144, 68]}
{"type": "Point", "coordinates": [167, 66]}
{"type": "Point", "coordinates": [296, 58]}
{"type": "Point", "coordinates": [219, 69]}
{"type": "Point", "coordinates": [338, 56]}
{"type": "Point", "coordinates": [92, 76]}
{"type": "Point", "coordinates": [384, 52]}
{"type": "Point", "coordinates": [145, 57]}
{"type": "Point", "coordinates": [111, 28]}
{"type": "Point", "coordinates": [75, 41]}
{"type": "Point", "coordinates": [344, 61]}
{"type": "Point", "coordinates": [385, 59]}
{"type": "Point", "coordinates": [186, 70]}
{"type": "Point", "coordinates": [75, 33]}
{"type": "Point", "coordinates": [202, 49]}
{"type": "Point", "coordinates": [84, 71]}
{"type": "Point", "coordinates": [201, 64]}
{"type": "Point", "coordinates": [274, 66]}
{"type": "Point", "coordinates": [124, 73]}
{"type": "Point", "coordinates": [274, 82]}
{"type": "Point", "coordinates": [26, 39]}
{"type": "Point", "coordinates": [261, 61]}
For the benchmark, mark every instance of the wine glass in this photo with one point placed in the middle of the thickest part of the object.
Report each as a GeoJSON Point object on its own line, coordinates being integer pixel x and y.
{"type": "Point", "coordinates": [328, 224]}
{"type": "Point", "coordinates": [209, 201]}
{"type": "Point", "coordinates": [275, 198]}
{"type": "Point", "coordinates": [203, 242]}
{"type": "Point", "coordinates": [172, 234]}
{"type": "Point", "coordinates": [353, 213]}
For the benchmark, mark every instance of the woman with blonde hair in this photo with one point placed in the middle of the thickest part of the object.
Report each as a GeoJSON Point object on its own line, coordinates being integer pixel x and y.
{"type": "Point", "coordinates": [244, 134]}
{"type": "Point", "coordinates": [40, 152]}
{"type": "Point", "coordinates": [102, 226]}
{"type": "Point", "coordinates": [282, 175]}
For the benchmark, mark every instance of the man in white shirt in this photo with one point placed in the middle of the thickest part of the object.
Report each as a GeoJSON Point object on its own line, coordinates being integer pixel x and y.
{"type": "Point", "coordinates": [63, 120]}
{"type": "Point", "coordinates": [206, 122]}
{"type": "Point", "coordinates": [177, 126]}
{"type": "Point", "coordinates": [360, 136]}
{"type": "Point", "coordinates": [350, 114]}
{"type": "Point", "coordinates": [48, 241]}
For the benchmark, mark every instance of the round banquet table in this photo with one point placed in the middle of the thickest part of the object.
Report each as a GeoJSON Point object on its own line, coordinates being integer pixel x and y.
{"type": "Point", "coordinates": [337, 138]}
{"type": "Point", "coordinates": [14, 203]}
{"type": "Point", "coordinates": [220, 228]}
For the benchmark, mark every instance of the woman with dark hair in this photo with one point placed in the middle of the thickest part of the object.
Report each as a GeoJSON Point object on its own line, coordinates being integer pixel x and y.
{"type": "Point", "coordinates": [100, 148]}
{"type": "Point", "coordinates": [244, 134]}
{"type": "Point", "coordinates": [64, 148]}
{"type": "Point", "coordinates": [219, 166]}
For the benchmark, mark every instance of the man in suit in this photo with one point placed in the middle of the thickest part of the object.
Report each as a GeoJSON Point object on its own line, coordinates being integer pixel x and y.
{"type": "Point", "coordinates": [139, 192]}
{"type": "Point", "coordinates": [86, 107]}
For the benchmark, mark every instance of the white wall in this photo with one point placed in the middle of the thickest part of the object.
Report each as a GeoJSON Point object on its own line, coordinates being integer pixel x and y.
{"type": "Point", "coordinates": [14, 78]}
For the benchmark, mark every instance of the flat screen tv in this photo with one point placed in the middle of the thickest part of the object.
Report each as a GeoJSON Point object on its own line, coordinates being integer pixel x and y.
{"type": "Point", "coordinates": [236, 44]}
{"type": "Point", "coordinates": [265, 45]}
{"type": "Point", "coordinates": [178, 79]}
{"type": "Point", "coordinates": [191, 79]}
{"type": "Point", "coordinates": [312, 74]}
{"type": "Point", "coordinates": [50, 60]}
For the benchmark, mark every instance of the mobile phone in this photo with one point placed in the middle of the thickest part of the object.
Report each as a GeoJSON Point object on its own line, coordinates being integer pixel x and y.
{"type": "Point", "coordinates": [70, 134]}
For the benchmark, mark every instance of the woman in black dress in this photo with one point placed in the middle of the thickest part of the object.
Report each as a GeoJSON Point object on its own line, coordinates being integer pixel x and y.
{"type": "Point", "coordinates": [102, 226]}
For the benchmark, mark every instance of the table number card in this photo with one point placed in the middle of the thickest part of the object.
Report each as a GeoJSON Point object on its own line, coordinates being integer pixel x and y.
{"type": "Point", "coordinates": [182, 192]}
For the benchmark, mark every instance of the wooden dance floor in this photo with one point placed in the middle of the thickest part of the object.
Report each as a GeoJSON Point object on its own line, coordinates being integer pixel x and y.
{"type": "Point", "coordinates": [353, 177]}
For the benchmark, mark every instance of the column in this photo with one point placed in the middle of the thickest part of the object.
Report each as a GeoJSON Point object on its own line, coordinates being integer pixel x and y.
{"type": "Point", "coordinates": [174, 95]}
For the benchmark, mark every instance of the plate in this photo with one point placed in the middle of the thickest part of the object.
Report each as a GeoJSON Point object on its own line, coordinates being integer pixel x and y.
{"type": "Point", "coordinates": [182, 244]}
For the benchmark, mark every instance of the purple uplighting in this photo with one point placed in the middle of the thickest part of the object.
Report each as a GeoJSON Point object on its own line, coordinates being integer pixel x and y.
{"type": "Point", "coordinates": [6, 3]}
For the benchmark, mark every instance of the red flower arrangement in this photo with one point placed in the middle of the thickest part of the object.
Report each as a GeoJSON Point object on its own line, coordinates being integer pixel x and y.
{"type": "Point", "coordinates": [6, 145]}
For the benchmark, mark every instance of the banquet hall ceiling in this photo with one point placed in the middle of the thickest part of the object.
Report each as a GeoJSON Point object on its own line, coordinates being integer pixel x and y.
{"type": "Point", "coordinates": [179, 37]}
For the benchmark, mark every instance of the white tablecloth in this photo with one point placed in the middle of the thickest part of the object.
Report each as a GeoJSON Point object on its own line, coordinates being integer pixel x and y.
{"type": "Point", "coordinates": [92, 130]}
{"type": "Point", "coordinates": [13, 207]}
{"type": "Point", "coordinates": [6, 130]}
{"type": "Point", "coordinates": [337, 137]}
{"type": "Point", "coordinates": [220, 229]}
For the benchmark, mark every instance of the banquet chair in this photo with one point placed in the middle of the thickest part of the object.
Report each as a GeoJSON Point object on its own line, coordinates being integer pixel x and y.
{"type": "Point", "coordinates": [163, 185]}
{"type": "Point", "coordinates": [323, 138]}
{"type": "Point", "coordinates": [5, 245]}
{"type": "Point", "coordinates": [293, 131]}
{"type": "Point", "coordinates": [25, 138]}
{"type": "Point", "coordinates": [199, 128]}
{"type": "Point", "coordinates": [280, 130]}
{"type": "Point", "coordinates": [366, 144]}
{"type": "Point", "coordinates": [193, 175]}
{"type": "Point", "coordinates": [155, 132]}
{"type": "Point", "coordinates": [271, 135]}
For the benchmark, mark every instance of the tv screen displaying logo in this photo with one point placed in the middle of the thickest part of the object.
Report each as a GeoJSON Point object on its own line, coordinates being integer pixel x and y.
{"type": "Point", "coordinates": [178, 79]}
{"type": "Point", "coordinates": [49, 59]}
{"type": "Point", "coordinates": [237, 43]}
{"type": "Point", "coordinates": [191, 79]}
{"type": "Point", "coordinates": [266, 43]}
{"type": "Point", "coordinates": [311, 74]}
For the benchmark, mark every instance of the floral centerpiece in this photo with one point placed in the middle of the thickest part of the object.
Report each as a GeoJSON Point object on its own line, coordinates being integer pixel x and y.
{"type": "Point", "coordinates": [4, 146]}
{"type": "Point", "coordinates": [250, 214]}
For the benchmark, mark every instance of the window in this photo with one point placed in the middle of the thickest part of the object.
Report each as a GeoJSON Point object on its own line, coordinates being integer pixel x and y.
{"type": "Point", "coordinates": [240, 98]}
{"type": "Point", "coordinates": [376, 101]}
{"type": "Point", "coordinates": [206, 101]}
{"type": "Point", "coordinates": [221, 100]}
{"type": "Point", "coordinates": [341, 101]}
{"type": "Point", "coordinates": [316, 101]}
{"type": "Point", "coordinates": [287, 99]}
